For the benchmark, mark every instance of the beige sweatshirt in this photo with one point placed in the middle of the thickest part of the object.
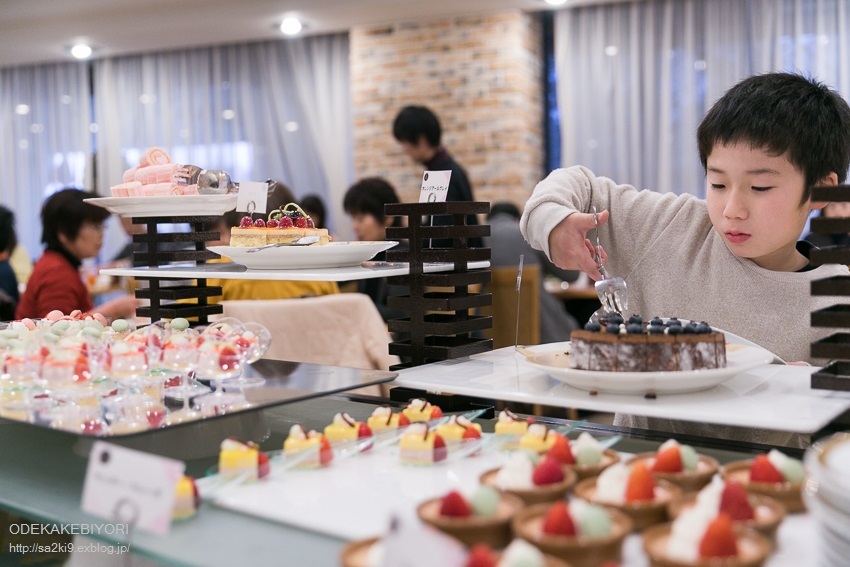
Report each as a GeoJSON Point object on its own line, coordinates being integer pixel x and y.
{"type": "Point", "coordinates": [676, 265]}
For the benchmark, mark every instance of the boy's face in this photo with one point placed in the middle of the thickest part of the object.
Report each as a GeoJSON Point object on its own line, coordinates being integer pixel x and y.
{"type": "Point", "coordinates": [754, 203]}
{"type": "Point", "coordinates": [419, 152]}
{"type": "Point", "coordinates": [367, 227]}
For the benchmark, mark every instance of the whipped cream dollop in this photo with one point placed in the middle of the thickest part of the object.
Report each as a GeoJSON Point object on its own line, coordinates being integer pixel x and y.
{"type": "Point", "coordinates": [418, 404]}
{"type": "Point", "coordinates": [711, 494]}
{"type": "Point", "coordinates": [590, 520]}
{"type": "Point", "coordinates": [382, 411]}
{"type": "Point", "coordinates": [586, 449]}
{"type": "Point", "coordinates": [297, 432]}
{"type": "Point", "coordinates": [687, 533]}
{"type": "Point", "coordinates": [520, 553]}
{"type": "Point", "coordinates": [231, 444]}
{"type": "Point", "coordinates": [611, 484]}
{"type": "Point", "coordinates": [417, 429]}
{"type": "Point", "coordinates": [344, 419]}
{"type": "Point", "coordinates": [538, 430]}
{"type": "Point", "coordinates": [516, 473]}
{"type": "Point", "coordinates": [506, 416]}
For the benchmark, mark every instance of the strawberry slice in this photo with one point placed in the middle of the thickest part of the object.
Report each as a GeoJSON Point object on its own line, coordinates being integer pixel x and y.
{"type": "Point", "coordinates": [719, 539]}
{"type": "Point", "coordinates": [326, 454]}
{"type": "Point", "coordinates": [364, 430]}
{"type": "Point", "coordinates": [263, 466]}
{"type": "Point", "coordinates": [481, 556]}
{"type": "Point", "coordinates": [436, 412]}
{"type": "Point", "coordinates": [735, 502]}
{"type": "Point", "coordinates": [640, 486]}
{"type": "Point", "coordinates": [440, 451]}
{"type": "Point", "coordinates": [558, 520]}
{"type": "Point", "coordinates": [454, 505]}
{"type": "Point", "coordinates": [764, 471]}
{"type": "Point", "coordinates": [228, 358]}
{"type": "Point", "coordinates": [471, 433]}
{"type": "Point", "coordinates": [403, 420]}
{"type": "Point", "coordinates": [668, 461]}
{"type": "Point", "coordinates": [547, 471]}
{"type": "Point", "coordinates": [561, 451]}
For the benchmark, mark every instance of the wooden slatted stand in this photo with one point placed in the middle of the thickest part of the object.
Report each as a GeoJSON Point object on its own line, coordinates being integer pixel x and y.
{"type": "Point", "coordinates": [440, 324]}
{"type": "Point", "coordinates": [156, 255]}
{"type": "Point", "coordinates": [835, 376]}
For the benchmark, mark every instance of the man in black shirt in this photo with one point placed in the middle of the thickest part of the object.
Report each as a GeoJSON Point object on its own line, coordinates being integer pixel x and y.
{"type": "Point", "coordinates": [418, 131]}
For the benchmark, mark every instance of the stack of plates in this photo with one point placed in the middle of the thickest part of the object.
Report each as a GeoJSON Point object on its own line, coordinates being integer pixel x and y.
{"type": "Point", "coordinates": [827, 496]}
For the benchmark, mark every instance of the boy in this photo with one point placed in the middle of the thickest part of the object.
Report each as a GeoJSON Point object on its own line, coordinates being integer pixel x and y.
{"type": "Point", "coordinates": [732, 260]}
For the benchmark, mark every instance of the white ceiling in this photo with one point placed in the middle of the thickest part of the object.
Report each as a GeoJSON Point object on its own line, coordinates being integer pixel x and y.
{"type": "Point", "coordinates": [33, 31]}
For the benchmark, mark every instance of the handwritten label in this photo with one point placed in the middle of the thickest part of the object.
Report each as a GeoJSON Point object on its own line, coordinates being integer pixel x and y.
{"type": "Point", "coordinates": [435, 186]}
{"type": "Point", "coordinates": [252, 197]}
{"type": "Point", "coordinates": [131, 487]}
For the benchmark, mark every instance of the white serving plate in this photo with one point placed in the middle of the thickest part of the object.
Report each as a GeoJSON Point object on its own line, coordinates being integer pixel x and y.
{"type": "Point", "coordinates": [553, 359]}
{"type": "Point", "coordinates": [167, 206]}
{"type": "Point", "coordinates": [332, 255]}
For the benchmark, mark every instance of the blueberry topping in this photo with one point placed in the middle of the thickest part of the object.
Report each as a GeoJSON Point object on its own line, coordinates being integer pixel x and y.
{"type": "Point", "coordinates": [674, 330]}
{"type": "Point", "coordinates": [657, 321]}
{"type": "Point", "coordinates": [636, 319]}
{"type": "Point", "coordinates": [615, 318]}
{"type": "Point", "coordinates": [703, 328]}
{"type": "Point", "coordinates": [655, 329]}
{"type": "Point", "coordinates": [612, 328]}
{"type": "Point", "coordinates": [634, 329]}
{"type": "Point", "coordinates": [592, 326]}
{"type": "Point", "coordinates": [690, 328]}
{"type": "Point", "coordinates": [673, 322]}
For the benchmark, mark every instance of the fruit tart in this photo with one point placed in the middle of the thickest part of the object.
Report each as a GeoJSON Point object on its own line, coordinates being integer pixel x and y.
{"type": "Point", "coordinates": [680, 464]}
{"type": "Point", "coordinates": [533, 479]}
{"type": "Point", "coordinates": [238, 457]}
{"type": "Point", "coordinates": [775, 475]}
{"type": "Point", "coordinates": [632, 490]}
{"type": "Point", "coordinates": [483, 517]}
{"type": "Point", "coordinates": [371, 553]}
{"type": "Point", "coordinates": [761, 513]}
{"type": "Point", "coordinates": [300, 440]}
{"type": "Point", "coordinates": [383, 418]}
{"type": "Point", "coordinates": [421, 445]}
{"type": "Point", "coordinates": [583, 534]}
{"type": "Point", "coordinates": [585, 455]}
{"type": "Point", "coordinates": [421, 410]}
{"type": "Point", "coordinates": [345, 428]}
{"type": "Point", "coordinates": [697, 539]}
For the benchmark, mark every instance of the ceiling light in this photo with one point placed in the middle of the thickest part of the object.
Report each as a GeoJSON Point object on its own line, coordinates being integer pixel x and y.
{"type": "Point", "coordinates": [290, 26]}
{"type": "Point", "coordinates": [81, 51]}
{"type": "Point", "coordinates": [22, 109]}
{"type": "Point", "coordinates": [555, 2]}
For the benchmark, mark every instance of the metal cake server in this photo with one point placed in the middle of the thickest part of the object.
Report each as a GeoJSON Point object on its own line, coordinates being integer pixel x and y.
{"type": "Point", "coordinates": [611, 291]}
{"type": "Point", "coordinates": [303, 241]}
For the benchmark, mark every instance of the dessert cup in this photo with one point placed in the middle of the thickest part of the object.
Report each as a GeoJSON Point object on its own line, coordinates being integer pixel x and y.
{"type": "Point", "coordinates": [753, 549]}
{"type": "Point", "coordinates": [494, 531]}
{"type": "Point", "coordinates": [609, 457]}
{"type": "Point", "coordinates": [688, 481]}
{"type": "Point", "coordinates": [789, 494]}
{"type": "Point", "coordinates": [538, 494]}
{"type": "Point", "coordinates": [768, 512]}
{"type": "Point", "coordinates": [578, 551]}
{"type": "Point", "coordinates": [642, 514]}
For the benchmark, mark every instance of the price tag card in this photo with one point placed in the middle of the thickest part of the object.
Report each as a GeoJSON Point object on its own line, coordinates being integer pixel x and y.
{"type": "Point", "coordinates": [435, 186]}
{"type": "Point", "coordinates": [252, 196]}
{"type": "Point", "coordinates": [131, 487]}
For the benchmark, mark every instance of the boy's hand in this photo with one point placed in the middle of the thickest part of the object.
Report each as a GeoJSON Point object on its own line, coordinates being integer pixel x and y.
{"type": "Point", "coordinates": [569, 246]}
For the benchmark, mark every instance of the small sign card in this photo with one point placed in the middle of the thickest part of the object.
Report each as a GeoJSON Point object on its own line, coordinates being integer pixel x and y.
{"type": "Point", "coordinates": [252, 196]}
{"type": "Point", "coordinates": [131, 487]}
{"type": "Point", "coordinates": [435, 186]}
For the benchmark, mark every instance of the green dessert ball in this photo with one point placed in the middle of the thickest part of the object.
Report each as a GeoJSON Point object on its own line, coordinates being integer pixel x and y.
{"type": "Point", "coordinates": [689, 457]}
{"type": "Point", "coordinates": [120, 325]}
{"type": "Point", "coordinates": [595, 522]}
{"type": "Point", "coordinates": [588, 456]}
{"type": "Point", "coordinates": [179, 324]}
{"type": "Point", "coordinates": [485, 501]}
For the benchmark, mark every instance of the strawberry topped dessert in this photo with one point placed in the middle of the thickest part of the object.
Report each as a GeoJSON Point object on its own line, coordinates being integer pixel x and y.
{"type": "Point", "coordinates": [775, 475]}
{"type": "Point", "coordinates": [422, 446]}
{"type": "Point", "coordinates": [299, 441]}
{"type": "Point", "coordinates": [761, 513]}
{"type": "Point", "coordinates": [680, 464]}
{"type": "Point", "coordinates": [508, 423]}
{"type": "Point", "coordinates": [482, 517]}
{"type": "Point", "coordinates": [584, 455]}
{"type": "Point", "coordinates": [345, 428]}
{"type": "Point", "coordinates": [538, 438]}
{"type": "Point", "coordinates": [533, 479]}
{"type": "Point", "coordinates": [384, 418]}
{"type": "Point", "coordinates": [238, 457]}
{"type": "Point", "coordinates": [583, 534]}
{"type": "Point", "coordinates": [459, 429]}
{"type": "Point", "coordinates": [186, 499]}
{"type": "Point", "coordinates": [283, 226]}
{"type": "Point", "coordinates": [632, 490]}
{"type": "Point", "coordinates": [421, 410]}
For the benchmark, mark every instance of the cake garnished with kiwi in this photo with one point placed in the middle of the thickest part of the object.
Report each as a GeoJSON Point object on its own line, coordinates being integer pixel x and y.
{"type": "Point", "coordinates": [283, 225]}
{"type": "Point", "coordinates": [658, 345]}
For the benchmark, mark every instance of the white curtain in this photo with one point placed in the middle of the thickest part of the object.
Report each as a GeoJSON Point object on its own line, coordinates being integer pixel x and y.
{"type": "Point", "coordinates": [276, 109]}
{"type": "Point", "coordinates": [45, 140]}
{"type": "Point", "coordinates": [634, 79]}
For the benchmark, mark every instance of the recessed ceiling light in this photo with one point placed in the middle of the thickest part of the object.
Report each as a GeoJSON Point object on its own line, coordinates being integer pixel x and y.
{"type": "Point", "coordinates": [555, 2]}
{"type": "Point", "coordinates": [290, 26]}
{"type": "Point", "coordinates": [81, 51]}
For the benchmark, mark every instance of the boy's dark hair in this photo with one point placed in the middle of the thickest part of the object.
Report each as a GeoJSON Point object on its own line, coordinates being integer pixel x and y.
{"type": "Point", "coordinates": [413, 122]}
{"type": "Point", "coordinates": [504, 208]}
{"type": "Point", "coordinates": [779, 113]}
{"type": "Point", "coordinates": [8, 238]}
{"type": "Point", "coordinates": [64, 212]}
{"type": "Point", "coordinates": [313, 205]}
{"type": "Point", "coordinates": [368, 197]}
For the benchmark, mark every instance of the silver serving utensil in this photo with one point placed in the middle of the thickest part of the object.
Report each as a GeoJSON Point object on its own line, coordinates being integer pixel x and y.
{"type": "Point", "coordinates": [303, 241]}
{"type": "Point", "coordinates": [611, 291]}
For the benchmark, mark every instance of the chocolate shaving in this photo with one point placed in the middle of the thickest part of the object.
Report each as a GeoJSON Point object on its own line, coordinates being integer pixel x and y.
{"type": "Point", "coordinates": [650, 395]}
{"type": "Point", "coordinates": [594, 393]}
{"type": "Point", "coordinates": [350, 422]}
{"type": "Point", "coordinates": [425, 438]}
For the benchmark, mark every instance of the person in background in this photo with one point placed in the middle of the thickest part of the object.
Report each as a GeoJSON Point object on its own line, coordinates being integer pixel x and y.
{"type": "Point", "coordinates": [506, 244]}
{"type": "Point", "coordinates": [9, 295]}
{"type": "Point", "coordinates": [364, 203]}
{"type": "Point", "coordinates": [315, 207]}
{"type": "Point", "coordinates": [72, 231]}
{"type": "Point", "coordinates": [417, 129]}
{"type": "Point", "coordinates": [834, 209]}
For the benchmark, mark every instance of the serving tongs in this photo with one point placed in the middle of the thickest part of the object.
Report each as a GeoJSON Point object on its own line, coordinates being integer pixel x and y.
{"type": "Point", "coordinates": [303, 241]}
{"type": "Point", "coordinates": [611, 291]}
